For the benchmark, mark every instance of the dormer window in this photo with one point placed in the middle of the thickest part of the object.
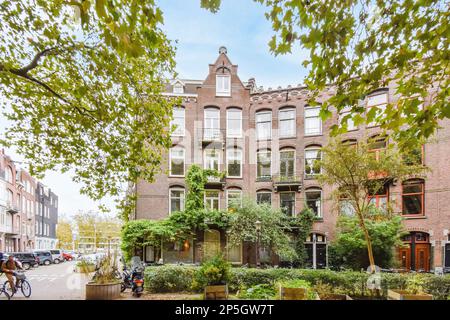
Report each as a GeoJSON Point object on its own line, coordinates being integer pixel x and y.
{"type": "Point", "coordinates": [223, 85]}
{"type": "Point", "coordinates": [178, 88]}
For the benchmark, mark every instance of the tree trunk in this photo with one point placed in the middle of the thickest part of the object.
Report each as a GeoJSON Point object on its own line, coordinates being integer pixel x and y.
{"type": "Point", "coordinates": [369, 245]}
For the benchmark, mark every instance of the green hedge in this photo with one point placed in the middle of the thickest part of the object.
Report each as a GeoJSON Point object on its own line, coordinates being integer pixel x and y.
{"type": "Point", "coordinates": [179, 279]}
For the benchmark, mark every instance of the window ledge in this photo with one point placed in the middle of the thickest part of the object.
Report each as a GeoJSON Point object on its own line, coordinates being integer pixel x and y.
{"type": "Point", "coordinates": [172, 176]}
{"type": "Point", "coordinates": [313, 135]}
{"type": "Point", "coordinates": [317, 219]}
{"type": "Point", "coordinates": [410, 217]}
{"type": "Point", "coordinates": [286, 138]}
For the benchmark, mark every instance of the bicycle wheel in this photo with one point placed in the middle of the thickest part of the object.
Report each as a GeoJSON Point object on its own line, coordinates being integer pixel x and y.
{"type": "Point", "coordinates": [7, 289]}
{"type": "Point", "coordinates": [26, 288]}
{"type": "Point", "coordinates": [8, 297]}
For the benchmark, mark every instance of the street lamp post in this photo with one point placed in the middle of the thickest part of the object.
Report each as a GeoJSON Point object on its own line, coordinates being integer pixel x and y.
{"type": "Point", "coordinates": [258, 232]}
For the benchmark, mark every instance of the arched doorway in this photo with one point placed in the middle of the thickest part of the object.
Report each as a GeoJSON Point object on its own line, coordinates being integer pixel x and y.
{"type": "Point", "coordinates": [316, 249]}
{"type": "Point", "coordinates": [415, 255]}
{"type": "Point", "coordinates": [211, 243]}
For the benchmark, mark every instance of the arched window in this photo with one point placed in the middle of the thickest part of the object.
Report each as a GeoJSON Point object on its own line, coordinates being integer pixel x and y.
{"type": "Point", "coordinates": [234, 163]}
{"type": "Point", "coordinates": [264, 196]}
{"type": "Point", "coordinates": [413, 196]}
{"type": "Point", "coordinates": [212, 123]}
{"type": "Point", "coordinates": [286, 122]}
{"type": "Point", "coordinates": [212, 159]}
{"type": "Point", "coordinates": [264, 125]}
{"type": "Point", "coordinates": [377, 100]}
{"type": "Point", "coordinates": [234, 123]}
{"type": "Point", "coordinates": [178, 122]}
{"type": "Point", "coordinates": [177, 161]}
{"type": "Point", "coordinates": [234, 196]}
{"type": "Point", "coordinates": [316, 249]}
{"type": "Point", "coordinates": [287, 163]}
{"type": "Point", "coordinates": [263, 165]}
{"type": "Point", "coordinates": [176, 199]}
{"type": "Point", "coordinates": [345, 119]}
{"type": "Point", "coordinates": [313, 123]}
{"type": "Point", "coordinates": [377, 146]}
{"type": "Point", "coordinates": [9, 175]}
{"type": "Point", "coordinates": [313, 156]}
{"type": "Point", "coordinates": [313, 199]}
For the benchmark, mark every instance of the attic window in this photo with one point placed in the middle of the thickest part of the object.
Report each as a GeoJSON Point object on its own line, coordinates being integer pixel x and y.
{"type": "Point", "coordinates": [223, 85]}
{"type": "Point", "coordinates": [178, 88]}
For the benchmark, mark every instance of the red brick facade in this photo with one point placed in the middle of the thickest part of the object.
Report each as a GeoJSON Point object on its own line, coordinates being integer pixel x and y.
{"type": "Point", "coordinates": [153, 199]}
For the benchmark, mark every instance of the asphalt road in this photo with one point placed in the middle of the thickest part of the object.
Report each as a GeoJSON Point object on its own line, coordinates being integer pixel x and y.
{"type": "Point", "coordinates": [53, 282]}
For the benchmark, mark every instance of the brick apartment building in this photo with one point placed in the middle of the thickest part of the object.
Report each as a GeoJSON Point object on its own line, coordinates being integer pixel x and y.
{"type": "Point", "coordinates": [17, 207]}
{"type": "Point", "coordinates": [267, 142]}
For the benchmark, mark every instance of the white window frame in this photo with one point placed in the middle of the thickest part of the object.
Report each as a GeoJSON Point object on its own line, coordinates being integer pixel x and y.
{"type": "Point", "coordinates": [229, 133]}
{"type": "Point", "coordinates": [176, 88]}
{"type": "Point", "coordinates": [295, 201]}
{"type": "Point", "coordinates": [295, 160]}
{"type": "Point", "coordinates": [240, 158]}
{"type": "Point", "coordinates": [9, 175]}
{"type": "Point", "coordinates": [320, 211]}
{"type": "Point", "coordinates": [260, 192]}
{"type": "Point", "coordinates": [208, 207]}
{"type": "Point", "coordinates": [235, 191]}
{"type": "Point", "coordinates": [170, 161]}
{"type": "Point", "coordinates": [350, 123]}
{"type": "Point", "coordinates": [280, 121]}
{"type": "Point", "coordinates": [180, 131]}
{"type": "Point", "coordinates": [183, 199]}
{"type": "Point", "coordinates": [318, 149]}
{"type": "Point", "coordinates": [222, 81]}
{"type": "Point", "coordinates": [270, 156]}
{"type": "Point", "coordinates": [258, 134]}
{"type": "Point", "coordinates": [205, 159]}
{"type": "Point", "coordinates": [207, 120]}
{"type": "Point", "coordinates": [372, 102]}
{"type": "Point", "coordinates": [319, 132]}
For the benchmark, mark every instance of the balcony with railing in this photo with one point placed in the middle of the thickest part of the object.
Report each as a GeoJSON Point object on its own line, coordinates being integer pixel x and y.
{"type": "Point", "coordinates": [211, 135]}
{"type": "Point", "coordinates": [214, 182]}
{"type": "Point", "coordinates": [287, 183]}
{"type": "Point", "coordinates": [12, 208]}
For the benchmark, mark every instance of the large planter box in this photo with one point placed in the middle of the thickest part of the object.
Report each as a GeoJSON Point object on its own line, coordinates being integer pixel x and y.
{"type": "Point", "coordinates": [90, 268]}
{"type": "Point", "coordinates": [333, 296]}
{"type": "Point", "coordinates": [405, 295]}
{"type": "Point", "coordinates": [292, 293]}
{"type": "Point", "coordinates": [219, 292]}
{"type": "Point", "coordinates": [108, 291]}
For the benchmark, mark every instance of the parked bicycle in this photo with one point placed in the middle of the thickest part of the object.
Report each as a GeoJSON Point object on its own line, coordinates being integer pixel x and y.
{"type": "Point", "coordinates": [21, 283]}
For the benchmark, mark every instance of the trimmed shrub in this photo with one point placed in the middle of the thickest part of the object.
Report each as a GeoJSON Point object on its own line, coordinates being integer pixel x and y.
{"type": "Point", "coordinates": [169, 278]}
{"type": "Point", "coordinates": [180, 278]}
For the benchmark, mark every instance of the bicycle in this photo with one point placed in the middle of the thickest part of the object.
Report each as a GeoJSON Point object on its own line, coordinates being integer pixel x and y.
{"type": "Point", "coordinates": [2, 291]}
{"type": "Point", "coordinates": [21, 283]}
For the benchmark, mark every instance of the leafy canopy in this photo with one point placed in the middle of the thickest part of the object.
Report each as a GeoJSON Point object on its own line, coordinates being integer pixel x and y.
{"type": "Point", "coordinates": [362, 45]}
{"type": "Point", "coordinates": [81, 83]}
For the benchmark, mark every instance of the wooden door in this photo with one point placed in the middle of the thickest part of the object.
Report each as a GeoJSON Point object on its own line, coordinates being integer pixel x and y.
{"type": "Point", "coordinates": [211, 244]}
{"type": "Point", "coordinates": [405, 258]}
{"type": "Point", "coordinates": [422, 257]}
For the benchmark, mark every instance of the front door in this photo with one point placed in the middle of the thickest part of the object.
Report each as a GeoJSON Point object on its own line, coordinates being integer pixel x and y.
{"type": "Point", "coordinates": [422, 257]}
{"type": "Point", "coordinates": [211, 244]}
{"type": "Point", "coordinates": [405, 258]}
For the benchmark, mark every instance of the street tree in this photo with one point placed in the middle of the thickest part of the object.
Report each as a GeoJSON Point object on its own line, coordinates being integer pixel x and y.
{"type": "Point", "coordinates": [361, 45]}
{"type": "Point", "coordinates": [80, 84]}
{"type": "Point", "coordinates": [357, 173]}
{"type": "Point", "coordinates": [64, 234]}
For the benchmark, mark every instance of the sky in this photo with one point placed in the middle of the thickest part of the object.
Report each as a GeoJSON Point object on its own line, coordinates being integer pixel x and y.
{"type": "Point", "coordinates": [240, 26]}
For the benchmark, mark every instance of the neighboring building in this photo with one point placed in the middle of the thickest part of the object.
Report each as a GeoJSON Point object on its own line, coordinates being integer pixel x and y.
{"type": "Point", "coordinates": [267, 141]}
{"type": "Point", "coordinates": [13, 219]}
{"type": "Point", "coordinates": [46, 217]}
{"type": "Point", "coordinates": [28, 209]}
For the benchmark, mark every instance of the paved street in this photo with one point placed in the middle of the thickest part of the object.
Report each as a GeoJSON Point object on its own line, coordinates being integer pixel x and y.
{"type": "Point", "coordinates": [54, 282]}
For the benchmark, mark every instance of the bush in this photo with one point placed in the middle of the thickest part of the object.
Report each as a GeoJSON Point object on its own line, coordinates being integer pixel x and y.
{"type": "Point", "coordinates": [181, 278]}
{"type": "Point", "coordinates": [215, 271]}
{"type": "Point", "coordinates": [258, 292]}
{"type": "Point", "coordinates": [169, 278]}
{"type": "Point", "coordinates": [297, 283]}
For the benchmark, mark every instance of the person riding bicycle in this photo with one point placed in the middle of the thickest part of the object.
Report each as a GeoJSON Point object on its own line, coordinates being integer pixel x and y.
{"type": "Point", "coordinates": [9, 268]}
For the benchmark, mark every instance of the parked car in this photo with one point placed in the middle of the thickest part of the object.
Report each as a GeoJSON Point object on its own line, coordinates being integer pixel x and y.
{"type": "Point", "coordinates": [27, 259]}
{"type": "Point", "coordinates": [67, 256]}
{"type": "Point", "coordinates": [57, 256]}
{"type": "Point", "coordinates": [45, 257]}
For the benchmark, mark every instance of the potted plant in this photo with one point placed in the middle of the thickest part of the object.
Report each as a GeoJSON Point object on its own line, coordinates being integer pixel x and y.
{"type": "Point", "coordinates": [84, 266]}
{"type": "Point", "coordinates": [296, 289]}
{"type": "Point", "coordinates": [414, 290]}
{"type": "Point", "coordinates": [104, 285]}
{"type": "Point", "coordinates": [327, 292]}
{"type": "Point", "coordinates": [212, 277]}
